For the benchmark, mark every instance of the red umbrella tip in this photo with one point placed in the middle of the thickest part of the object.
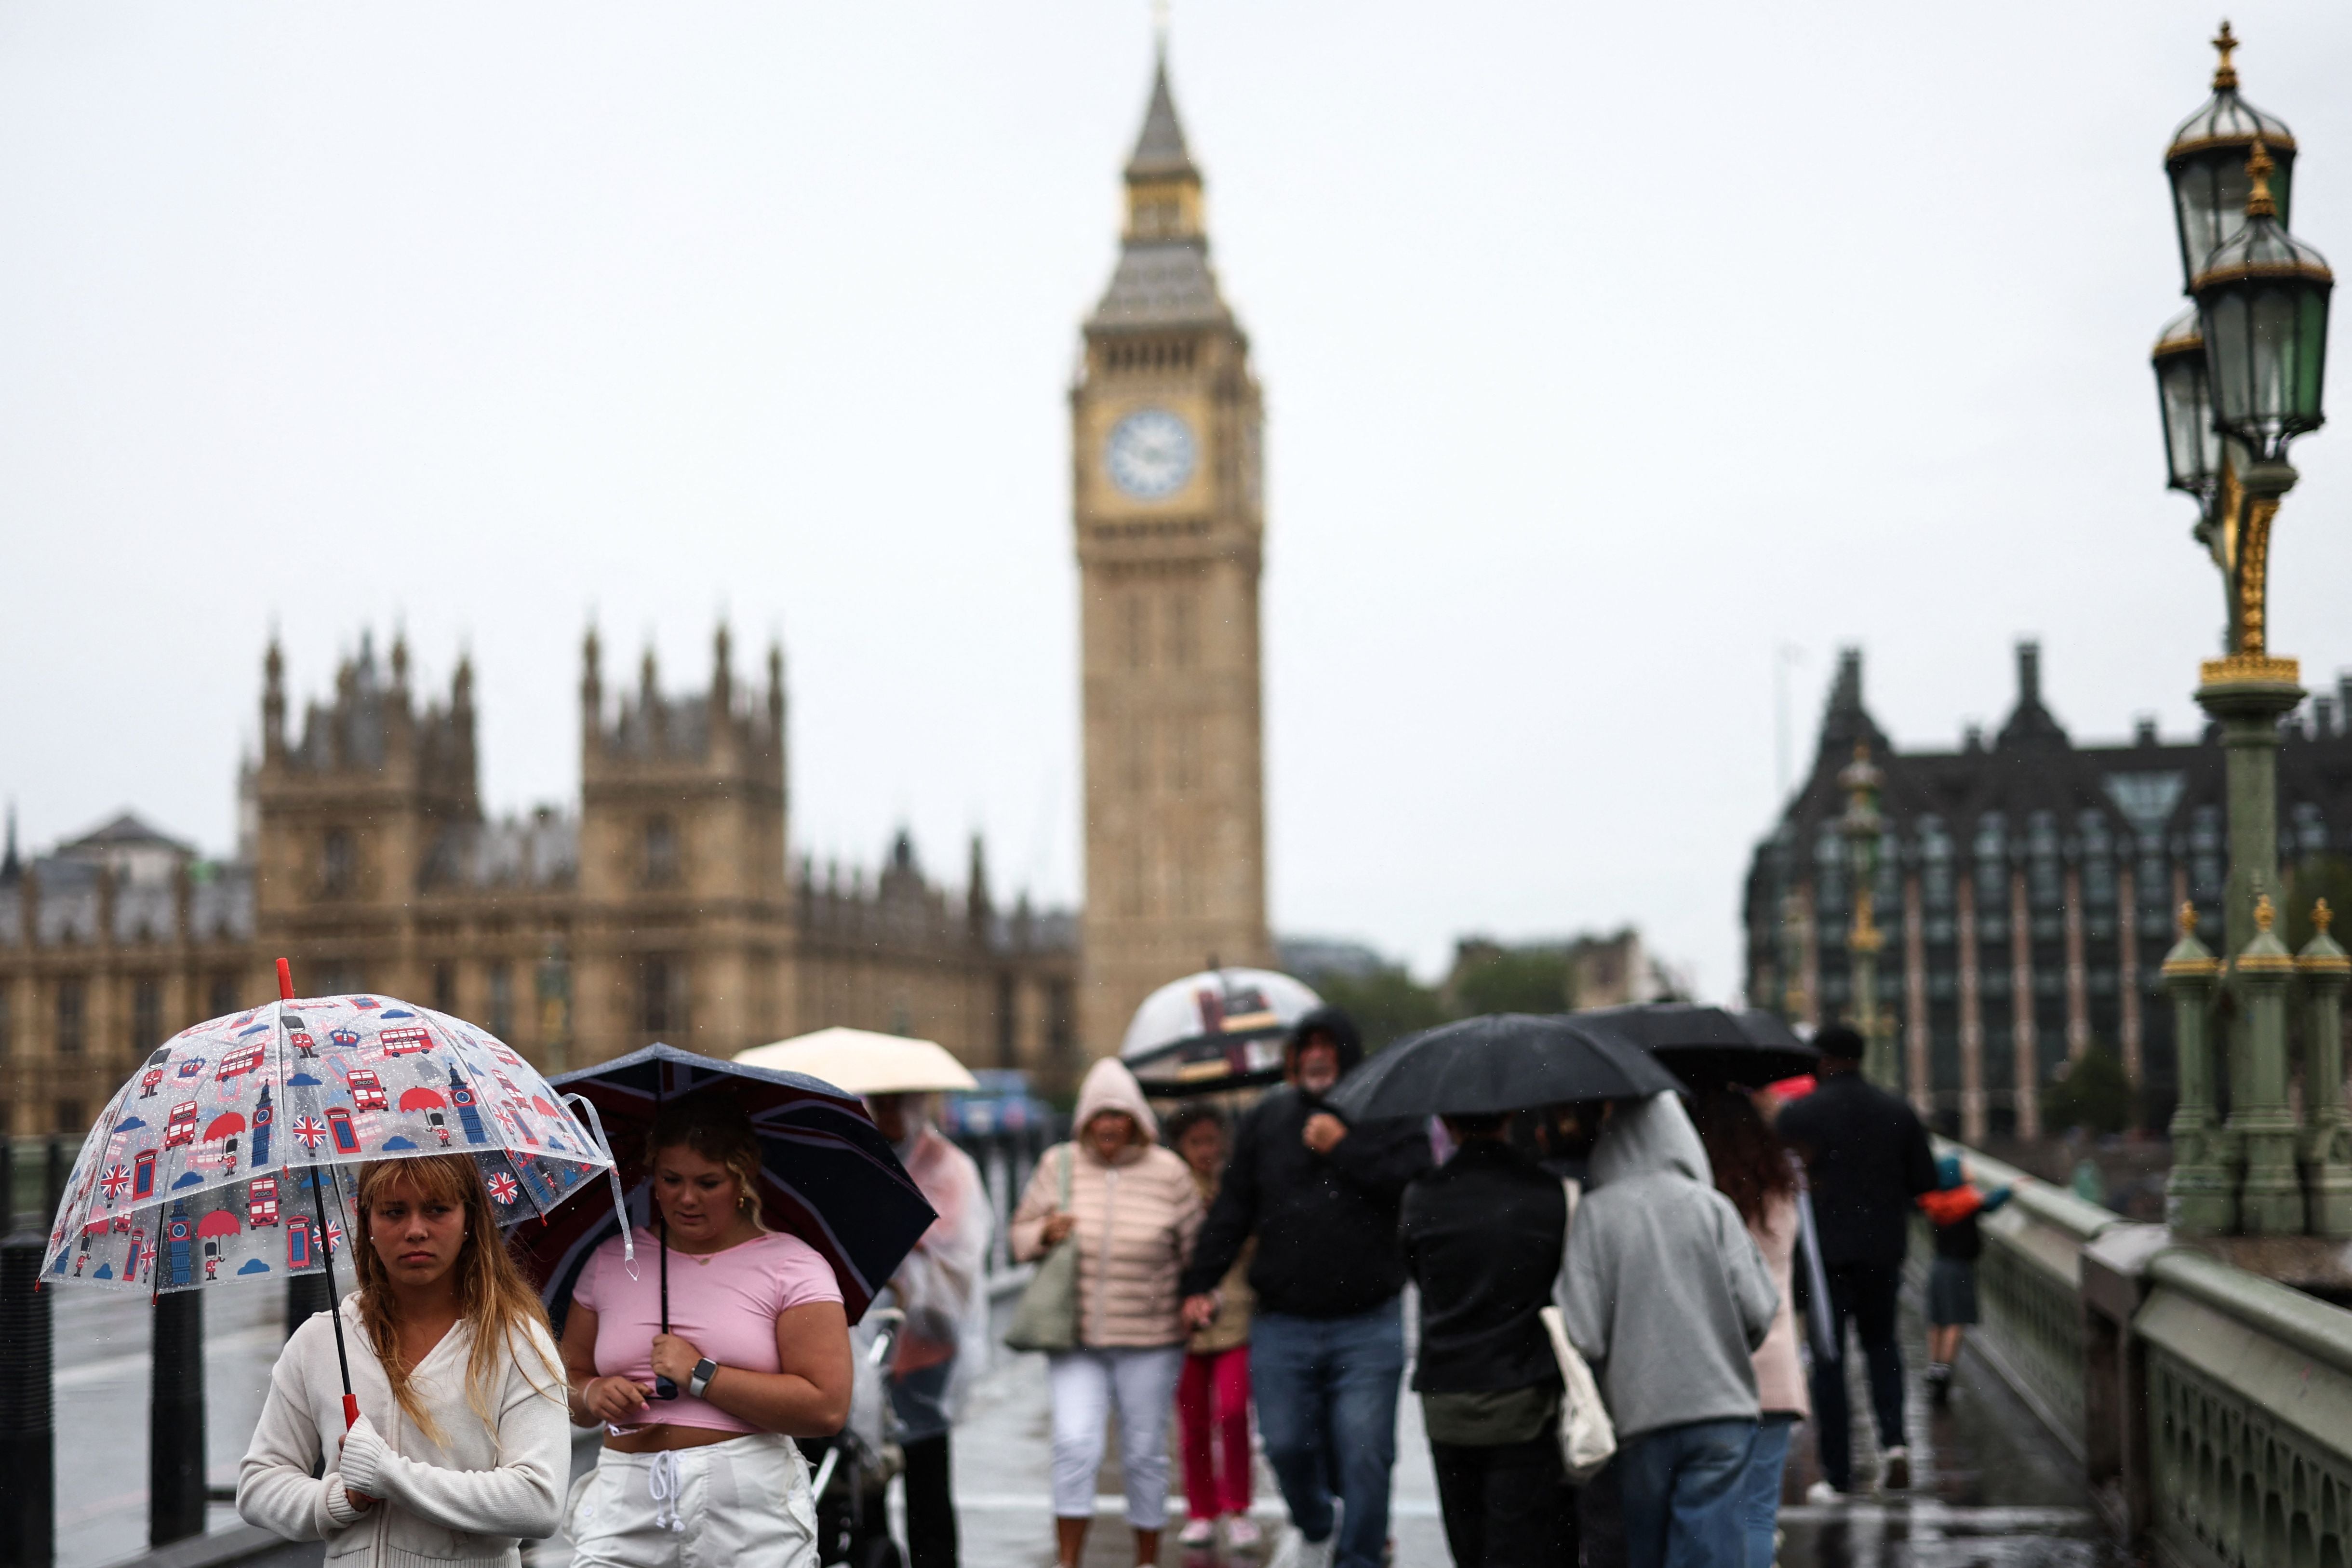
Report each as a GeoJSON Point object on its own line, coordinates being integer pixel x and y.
{"type": "Point", "coordinates": [285, 981]}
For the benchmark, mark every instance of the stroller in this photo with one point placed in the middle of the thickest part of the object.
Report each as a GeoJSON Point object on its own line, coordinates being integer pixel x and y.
{"type": "Point", "coordinates": [855, 1466]}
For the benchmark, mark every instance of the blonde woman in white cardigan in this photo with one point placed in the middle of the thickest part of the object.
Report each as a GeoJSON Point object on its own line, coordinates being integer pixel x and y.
{"type": "Point", "coordinates": [462, 1449]}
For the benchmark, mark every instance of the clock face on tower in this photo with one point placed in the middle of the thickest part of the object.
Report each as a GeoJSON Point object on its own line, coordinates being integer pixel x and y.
{"type": "Point", "coordinates": [1150, 454]}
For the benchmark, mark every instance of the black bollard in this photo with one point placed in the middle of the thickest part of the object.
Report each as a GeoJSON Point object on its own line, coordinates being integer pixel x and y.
{"type": "Point", "coordinates": [27, 1448]}
{"type": "Point", "coordinates": [306, 1298]}
{"type": "Point", "coordinates": [175, 1419]}
{"type": "Point", "coordinates": [53, 1185]}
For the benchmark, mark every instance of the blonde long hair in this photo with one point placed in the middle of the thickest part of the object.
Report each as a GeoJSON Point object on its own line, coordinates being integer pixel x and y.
{"type": "Point", "coordinates": [497, 1303]}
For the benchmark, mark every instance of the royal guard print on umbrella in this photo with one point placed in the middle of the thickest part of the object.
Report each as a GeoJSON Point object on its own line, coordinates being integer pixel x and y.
{"type": "Point", "coordinates": [218, 1129]}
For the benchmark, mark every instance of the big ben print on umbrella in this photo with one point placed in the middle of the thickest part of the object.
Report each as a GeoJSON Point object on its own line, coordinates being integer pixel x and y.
{"type": "Point", "coordinates": [199, 1168]}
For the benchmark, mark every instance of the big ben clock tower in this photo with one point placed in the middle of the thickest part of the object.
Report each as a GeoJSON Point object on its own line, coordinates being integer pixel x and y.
{"type": "Point", "coordinates": [1169, 506]}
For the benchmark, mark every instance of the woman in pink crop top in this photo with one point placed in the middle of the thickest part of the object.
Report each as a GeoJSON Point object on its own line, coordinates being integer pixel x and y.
{"type": "Point", "coordinates": [758, 1346]}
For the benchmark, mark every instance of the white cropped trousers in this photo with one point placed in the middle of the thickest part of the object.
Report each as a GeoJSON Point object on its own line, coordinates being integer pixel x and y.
{"type": "Point", "coordinates": [743, 1503]}
{"type": "Point", "coordinates": [1086, 1385]}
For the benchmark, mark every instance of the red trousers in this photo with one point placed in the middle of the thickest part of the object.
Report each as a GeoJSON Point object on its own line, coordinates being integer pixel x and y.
{"type": "Point", "coordinates": [1212, 1412]}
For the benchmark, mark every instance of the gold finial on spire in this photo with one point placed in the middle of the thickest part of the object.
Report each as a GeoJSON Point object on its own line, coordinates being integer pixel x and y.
{"type": "Point", "coordinates": [2322, 917]}
{"type": "Point", "coordinates": [2258, 169]}
{"type": "Point", "coordinates": [2188, 919]}
{"type": "Point", "coordinates": [2265, 913]}
{"type": "Point", "coordinates": [2225, 75]}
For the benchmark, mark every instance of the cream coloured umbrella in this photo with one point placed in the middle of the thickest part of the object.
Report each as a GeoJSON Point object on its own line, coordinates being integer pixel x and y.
{"type": "Point", "coordinates": [863, 1062]}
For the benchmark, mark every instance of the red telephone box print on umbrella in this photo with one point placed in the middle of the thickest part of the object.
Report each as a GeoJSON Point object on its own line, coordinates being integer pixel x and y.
{"type": "Point", "coordinates": [199, 1168]}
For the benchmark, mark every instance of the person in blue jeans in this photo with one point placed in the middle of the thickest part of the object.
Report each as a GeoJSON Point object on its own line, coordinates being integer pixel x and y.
{"type": "Point", "coordinates": [1327, 1344]}
{"type": "Point", "coordinates": [1668, 1297]}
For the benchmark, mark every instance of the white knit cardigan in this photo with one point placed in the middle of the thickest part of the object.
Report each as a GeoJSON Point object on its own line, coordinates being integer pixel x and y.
{"type": "Point", "coordinates": [470, 1499]}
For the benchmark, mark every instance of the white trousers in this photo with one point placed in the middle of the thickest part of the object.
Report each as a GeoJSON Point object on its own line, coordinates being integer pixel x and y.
{"type": "Point", "coordinates": [743, 1503]}
{"type": "Point", "coordinates": [1086, 1385]}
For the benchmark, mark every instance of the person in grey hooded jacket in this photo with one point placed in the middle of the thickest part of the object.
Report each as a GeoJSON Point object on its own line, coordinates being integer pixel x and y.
{"type": "Point", "coordinates": [1668, 1297]}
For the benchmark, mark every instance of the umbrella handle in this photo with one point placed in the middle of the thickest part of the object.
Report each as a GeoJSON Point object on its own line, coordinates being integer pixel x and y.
{"type": "Point", "coordinates": [662, 1387]}
{"type": "Point", "coordinates": [335, 1307]}
{"type": "Point", "coordinates": [612, 1171]}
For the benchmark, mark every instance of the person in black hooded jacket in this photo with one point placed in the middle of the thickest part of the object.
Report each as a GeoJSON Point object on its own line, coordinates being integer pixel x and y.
{"type": "Point", "coordinates": [1326, 1344]}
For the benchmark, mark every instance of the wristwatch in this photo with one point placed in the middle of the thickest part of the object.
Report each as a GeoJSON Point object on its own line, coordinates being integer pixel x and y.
{"type": "Point", "coordinates": [704, 1370]}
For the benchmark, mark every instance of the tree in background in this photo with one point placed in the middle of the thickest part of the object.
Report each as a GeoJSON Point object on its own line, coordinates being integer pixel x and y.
{"type": "Point", "coordinates": [1491, 978]}
{"type": "Point", "coordinates": [2313, 878]}
{"type": "Point", "coordinates": [1387, 1004]}
{"type": "Point", "coordinates": [2090, 1092]}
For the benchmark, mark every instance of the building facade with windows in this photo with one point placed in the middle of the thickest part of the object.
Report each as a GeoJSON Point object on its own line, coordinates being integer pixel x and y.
{"type": "Point", "coordinates": [2028, 890]}
{"type": "Point", "coordinates": [666, 906]}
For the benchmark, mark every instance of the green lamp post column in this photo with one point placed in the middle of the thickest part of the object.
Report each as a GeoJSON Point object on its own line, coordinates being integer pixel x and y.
{"type": "Point", "coordinates": [1863, 826]}
{"type": "Point", "coordinates": [2325, 969]}
{"type": "Point", "coordinates": [2199, 1199]}
{"type": "Point", "coordinates": [2270, 1193]}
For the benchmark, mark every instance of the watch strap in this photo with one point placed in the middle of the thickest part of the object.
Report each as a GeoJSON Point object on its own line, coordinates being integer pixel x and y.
{"type": "Point", "coordinates": [704, 1370]}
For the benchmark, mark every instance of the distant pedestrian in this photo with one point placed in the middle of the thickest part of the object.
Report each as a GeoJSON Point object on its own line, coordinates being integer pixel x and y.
{"type": "Point", "coordinates": [1135, 1213]}
{"type": "Point", "coordinates": [1953, 1209]}
{"type": "Point", "coordinates": [1213, 1400]}
{"type": "Point", "coordinates": [1668, 1297]}
{"type": "Point", "coordinates": [1327, 1346]}
{"type": "Point", "coordinates": [1867, 1157]}
{"type": "Point", "coordinates": [1752, 1168]}
{"type": "Point", "coordinates": [461, 1434]}
{"type": "Point", "coordinates": [942, 1287]}
{"type": "Point", "coordinates": [1482, 1235]}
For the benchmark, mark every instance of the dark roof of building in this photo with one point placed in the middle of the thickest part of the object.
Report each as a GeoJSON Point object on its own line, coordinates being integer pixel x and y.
{"type": "Point", "coordinates": [125, 832]}
{"type": "Point", "coordinates": [1160, 151]}
{"type": "Point", "coordinates": [2034, 771]}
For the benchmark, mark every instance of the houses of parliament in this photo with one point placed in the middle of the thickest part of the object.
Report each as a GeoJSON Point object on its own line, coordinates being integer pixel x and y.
{"type": "Point", "coordinates": [668, 903]}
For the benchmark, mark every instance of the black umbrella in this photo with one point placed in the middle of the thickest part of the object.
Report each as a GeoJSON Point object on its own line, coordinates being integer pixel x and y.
{"type": "Point", "coordinates": [1505, 1062]}
{"type": "Point", "coordinates": [1709, 1044]}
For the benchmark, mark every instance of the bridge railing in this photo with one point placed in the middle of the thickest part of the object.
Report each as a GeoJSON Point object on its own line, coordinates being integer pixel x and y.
{"type": "Point", "coordinates": [2212, 1408]}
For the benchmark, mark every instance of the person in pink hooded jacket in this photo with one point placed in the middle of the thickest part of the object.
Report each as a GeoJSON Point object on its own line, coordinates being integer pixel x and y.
{"type": "Point", "coordinates": [1133, 1211]}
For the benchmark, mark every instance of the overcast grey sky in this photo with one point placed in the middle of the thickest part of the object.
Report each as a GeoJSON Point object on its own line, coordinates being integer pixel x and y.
{"type": "Point", "coordinates": [1607, 351]}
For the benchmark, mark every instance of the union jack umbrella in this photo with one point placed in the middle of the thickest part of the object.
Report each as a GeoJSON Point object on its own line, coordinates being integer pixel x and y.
{"type": "Point", "coordinates": [200, 1167]}
{"type": "Point", "coordinates": [827, 1174]}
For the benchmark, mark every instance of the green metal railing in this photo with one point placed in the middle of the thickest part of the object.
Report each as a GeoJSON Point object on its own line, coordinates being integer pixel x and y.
{"type": "Point", "coordinates": [2211, 1407]}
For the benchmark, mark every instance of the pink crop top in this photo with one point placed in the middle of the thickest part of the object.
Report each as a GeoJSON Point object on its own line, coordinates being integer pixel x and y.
{"type": "Point", "coordinates": [725, 1304]}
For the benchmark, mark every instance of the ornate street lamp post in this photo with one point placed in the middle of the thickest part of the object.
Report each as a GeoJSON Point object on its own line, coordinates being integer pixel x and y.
{"type": "Point", "coordinates": [2260, 329]}
{"type": "Point", "coordinates": [1862, 827]}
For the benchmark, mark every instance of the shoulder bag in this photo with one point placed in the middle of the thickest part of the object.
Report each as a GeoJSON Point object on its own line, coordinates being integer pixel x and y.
{"type": "Point", "coordinates": [1587, 1439]}
{"type": "Point", "coordinates": [1046, 1317]}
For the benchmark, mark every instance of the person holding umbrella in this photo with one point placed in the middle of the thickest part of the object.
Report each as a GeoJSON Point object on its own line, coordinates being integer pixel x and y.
{"type": "Point", "coordinates": [459, 1447]}
{"type": "Point", "coordinates": [1667, 1298]}
{"type": "Point", "coordinates": [702, 1368]}
{"type": "Point", "coordinates": [942, 1284]}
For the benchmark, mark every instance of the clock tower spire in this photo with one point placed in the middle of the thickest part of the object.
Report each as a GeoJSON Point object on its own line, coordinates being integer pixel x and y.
{"type": "Point", "coordinates": [1167, 503]}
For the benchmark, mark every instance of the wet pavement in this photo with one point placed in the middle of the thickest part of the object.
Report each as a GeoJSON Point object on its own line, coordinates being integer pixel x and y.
{"type": "Point", "coordinates": [1991, 1488]}
{"type": "Point", "coordinates": [99, 1390]}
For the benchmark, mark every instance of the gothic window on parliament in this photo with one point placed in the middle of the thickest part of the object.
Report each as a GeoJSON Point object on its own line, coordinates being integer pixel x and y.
{"type": "Point", "coordinates": [662, 997]}
{"type": "Point", "coordinates": [1135, 628]}
{"type": "Point", "coordinates": [70, 1117]}
{"type": "Point", "coordinates": [444, 989]}
{"type": "Point", "coordinates": [337, 862]}
{"type": "Point", "coordinates": [1183, 635]}
{"type": "Point", "coordinates": [70, 1017]}
{"type": "Point", "coordinates": [223, 999]}
{"type": "Point", "coordinates": [501, 989]}
{"type": "Point", "coordinates": [5, 1041]}
{"type": "Point", "coordinates": [146, 1014]}
{"type": "Point", "coordinates": [661, 852]}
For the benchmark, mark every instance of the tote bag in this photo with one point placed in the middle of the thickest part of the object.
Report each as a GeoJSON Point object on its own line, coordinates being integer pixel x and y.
{"type": "Point", "coordinates": [1046, 1317]}
{"type": "Point", "coordinates": [1587, 1438]}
